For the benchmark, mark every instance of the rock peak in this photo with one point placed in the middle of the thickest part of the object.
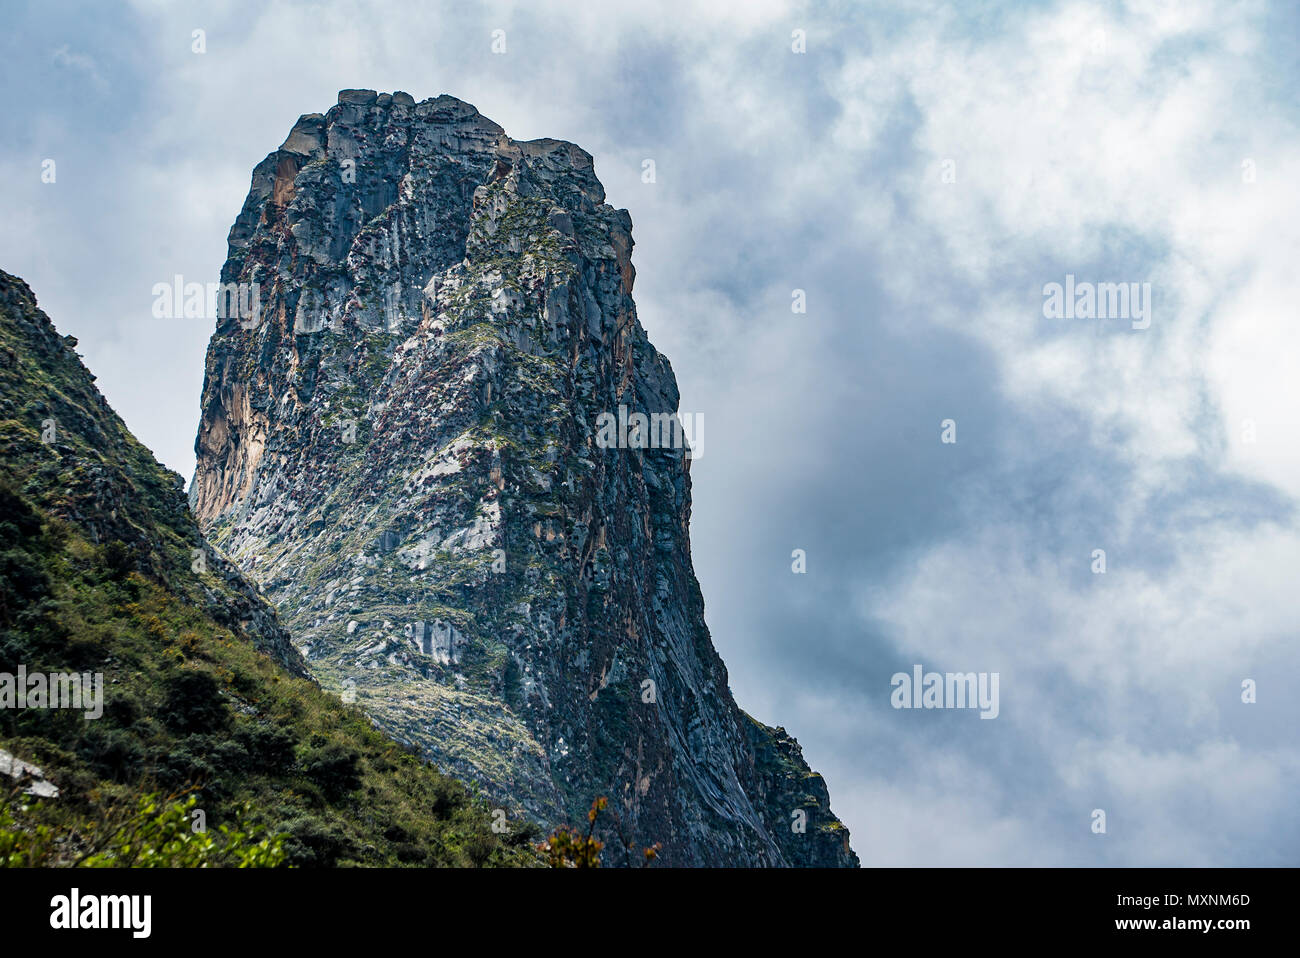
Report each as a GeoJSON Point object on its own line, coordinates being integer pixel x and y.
{"type": "Point", "coordinates": [403, 445]}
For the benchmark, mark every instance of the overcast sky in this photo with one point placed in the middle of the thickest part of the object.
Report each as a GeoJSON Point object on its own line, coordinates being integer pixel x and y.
{"type": "Point", "coordinates": [922, 171]}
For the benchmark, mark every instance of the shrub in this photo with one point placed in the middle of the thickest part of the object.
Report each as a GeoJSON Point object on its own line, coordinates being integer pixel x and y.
{"type": "Point", "coordinates": [334, 768]}
{"type": "Point", "coordinates": [149, 833]}
{"type": "Point", "coordinates": [194, 703]}
{"type": "Point", "coordinates": [312, 843]}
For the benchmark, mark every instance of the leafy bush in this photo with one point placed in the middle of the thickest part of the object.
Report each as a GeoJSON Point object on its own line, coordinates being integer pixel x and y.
{"type": "Point", "coordinates": [334, 768]}
{"type": "Point", "coordinates": [194, 703]}
{"type": "Point", "coordinates": [570, 848]}
{"type": "Point", "coordinates": [154, 833]}
{"type": "Point", "coordinates": [312, 843]}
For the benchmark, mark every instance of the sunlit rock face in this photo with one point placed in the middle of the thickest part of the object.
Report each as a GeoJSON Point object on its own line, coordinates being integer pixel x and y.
{"type": "Point", "coordinates": [403, 445]}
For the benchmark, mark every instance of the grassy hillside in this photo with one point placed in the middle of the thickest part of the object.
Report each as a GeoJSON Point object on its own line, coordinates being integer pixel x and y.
{"type": "Point", "coordinates": [102, 570]}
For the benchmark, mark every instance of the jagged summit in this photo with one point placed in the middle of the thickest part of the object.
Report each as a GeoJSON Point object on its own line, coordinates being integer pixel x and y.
{"type": "Point", "coordinates": [403, 444]}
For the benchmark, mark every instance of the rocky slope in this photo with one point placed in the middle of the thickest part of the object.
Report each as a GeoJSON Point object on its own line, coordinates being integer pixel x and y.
{"type": "Point", "coordinates": [402, 444]}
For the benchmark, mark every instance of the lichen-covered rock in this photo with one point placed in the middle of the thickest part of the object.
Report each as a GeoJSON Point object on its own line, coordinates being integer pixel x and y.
{"type": "Point", "coordinates": [401, 446]}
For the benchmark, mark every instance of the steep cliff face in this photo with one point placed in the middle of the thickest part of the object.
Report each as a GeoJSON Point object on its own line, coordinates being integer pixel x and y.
{"type": "Point", "coordinates": [407, 444]}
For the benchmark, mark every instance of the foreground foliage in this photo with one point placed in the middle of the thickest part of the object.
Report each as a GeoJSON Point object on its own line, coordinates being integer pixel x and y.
{"type": "Point", "coordinates": [568, 847]}
{"type": "Point", "coordinates": [156, 833]}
